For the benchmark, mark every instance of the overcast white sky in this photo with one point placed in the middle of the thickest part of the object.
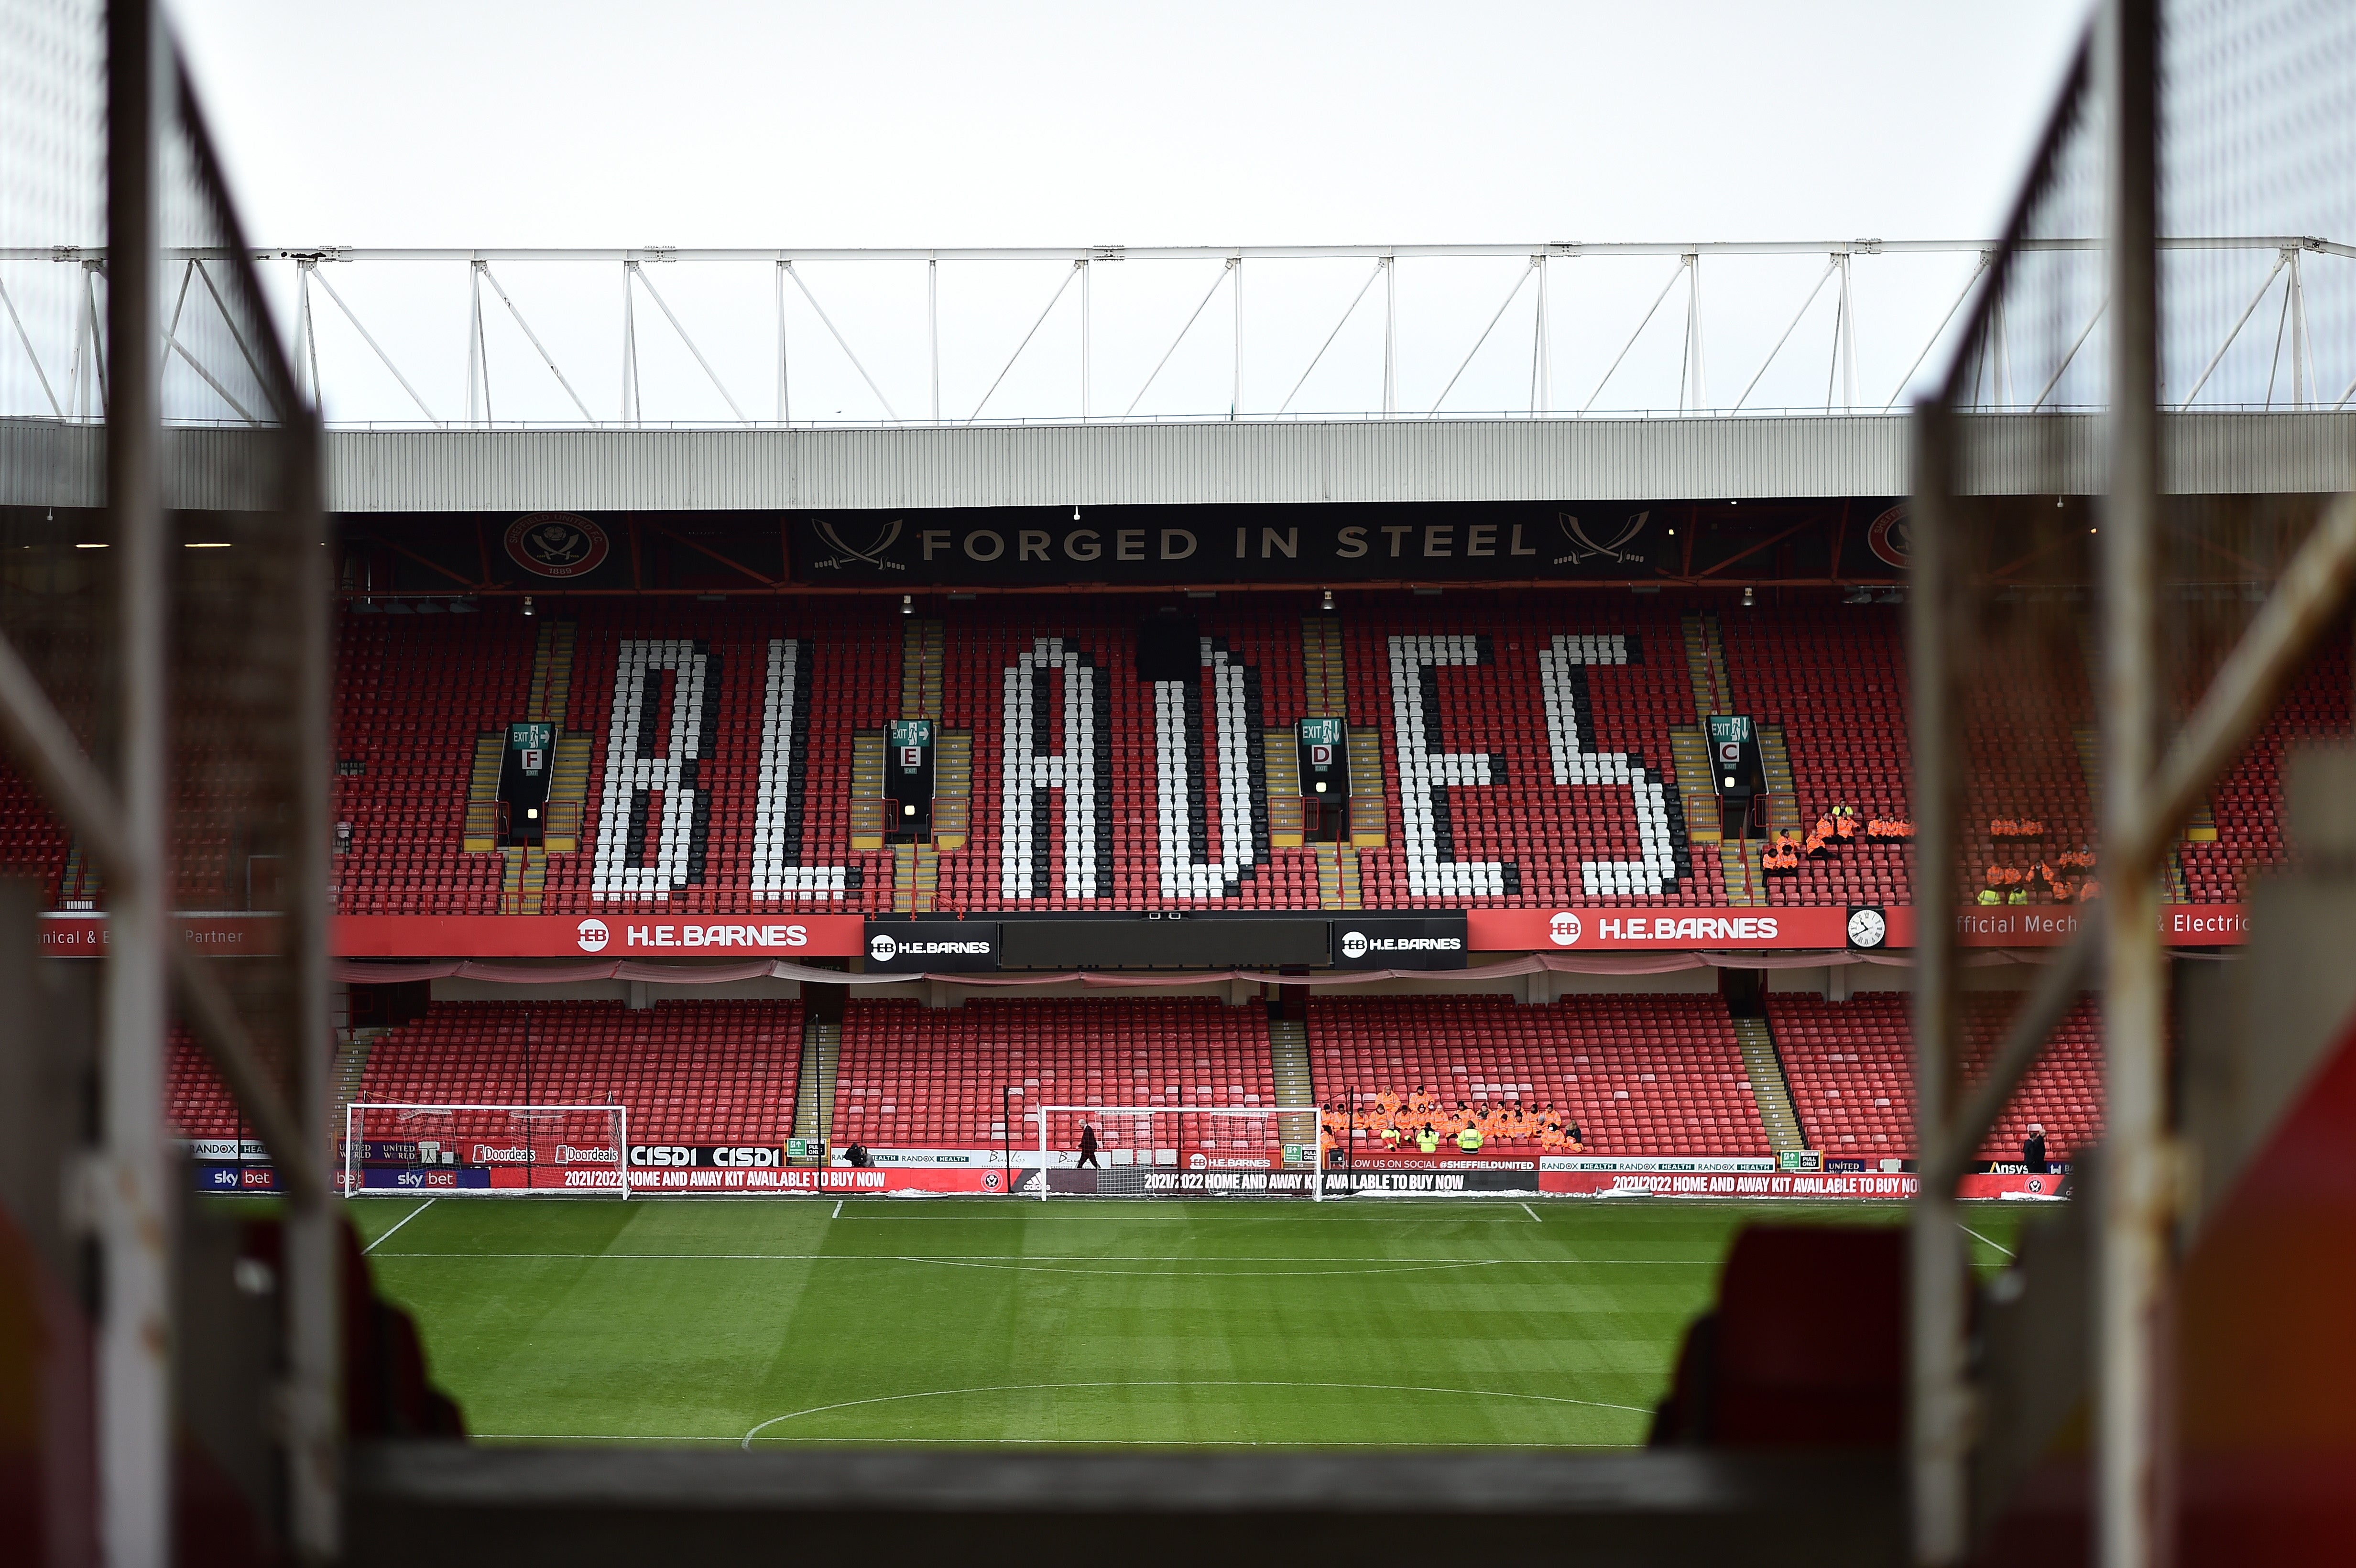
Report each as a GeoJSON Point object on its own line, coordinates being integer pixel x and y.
{"type": "Point", "coordinates": [713, 122]}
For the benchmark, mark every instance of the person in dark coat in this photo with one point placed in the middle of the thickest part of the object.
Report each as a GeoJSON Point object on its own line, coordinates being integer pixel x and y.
{"type": "Point", "coordinates": [1088, 1145]}
{"type": "Point", "coordinates": [2032, 1149]}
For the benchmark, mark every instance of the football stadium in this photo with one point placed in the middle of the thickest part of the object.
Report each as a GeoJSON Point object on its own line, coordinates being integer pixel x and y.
{"type": "Point", "coordinates": [1693, 978]}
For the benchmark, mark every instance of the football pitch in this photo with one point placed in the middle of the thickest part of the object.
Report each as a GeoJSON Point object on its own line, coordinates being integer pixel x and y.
{"type": "Point", "coordinates": [1090, 1324]}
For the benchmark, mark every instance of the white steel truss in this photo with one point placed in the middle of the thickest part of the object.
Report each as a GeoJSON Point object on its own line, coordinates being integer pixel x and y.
{"type": "Point", "coordinates": [1665, 341]}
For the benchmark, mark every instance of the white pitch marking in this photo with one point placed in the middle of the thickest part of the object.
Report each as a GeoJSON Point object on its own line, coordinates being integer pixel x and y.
{"type": "Point", "coordinates": [1217, 1274]}
{"type": "Point", "coordinates": [404, 1219]}
{"type": "Point", "coordinates": [1045, 1258]}
{"type": "Point", "coordinates": [1046, 1388]}
{"type": "Point", "coordinates": [1999, 1246]}
{"type": "Point", "coordinates": [1077, 1443]}
{"type": "Point", "coordinates": [1532, 1213]}
{"type": "Point", "coordinates": [838, 1210]}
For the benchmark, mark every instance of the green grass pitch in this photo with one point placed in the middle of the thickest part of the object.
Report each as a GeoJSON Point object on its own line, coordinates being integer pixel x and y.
{"type": "Point", "coordinates": [1391, 1324]}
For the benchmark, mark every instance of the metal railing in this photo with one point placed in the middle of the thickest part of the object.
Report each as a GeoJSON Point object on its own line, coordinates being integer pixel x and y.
{"type": "Point", "coordinates": [2159, 120]}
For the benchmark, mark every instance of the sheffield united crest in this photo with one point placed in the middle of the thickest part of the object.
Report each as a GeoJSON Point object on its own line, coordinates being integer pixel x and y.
{"type": "Point", "coordinates": [557, 544]}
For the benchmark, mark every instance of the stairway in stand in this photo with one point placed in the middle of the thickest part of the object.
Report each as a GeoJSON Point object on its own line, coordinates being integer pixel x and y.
{"type": "Point", "coordinates": [1287, 1061]}
{"type": "Point", "coordinates": [814, 1090]}
{"type": "Point", "coordinates": [1338, 884]}
{"type": "Point", "coordinates": [1691, 754]}
{"type": "Point", "coordinates": [916, 878]}
{"type": "Point", "coordinates": [1743, 863]}
{"type": "Point", "coordinates": [1768, 1086]}
{"type": "Point", "coordinates": [523, 879]}
{"type": "Point", "coordinates": [1782, 792]}
{"type": "Point", "coordinates": [351, 1067]}
{"type": "Point", "coordinates": [1705, 665]}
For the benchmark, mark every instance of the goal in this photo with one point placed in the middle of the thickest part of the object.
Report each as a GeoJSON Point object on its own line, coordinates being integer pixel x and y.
{"type": "Point", "coordinates": [1179, 1151]}
{"type": "Point", "coordinates": [487, 1151]}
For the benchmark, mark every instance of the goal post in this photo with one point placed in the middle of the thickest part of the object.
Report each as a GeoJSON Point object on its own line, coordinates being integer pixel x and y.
{"type": "Point", "coordinates": [487, 1151]}
{"type": "Point", "coordinates": [1181, 1151]}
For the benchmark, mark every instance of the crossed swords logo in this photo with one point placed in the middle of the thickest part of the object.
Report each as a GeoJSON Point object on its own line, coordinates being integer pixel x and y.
{"type": "Point", "coordinates": [873, 555]}
{"type": "Point", "coordinates": [1584, 548]}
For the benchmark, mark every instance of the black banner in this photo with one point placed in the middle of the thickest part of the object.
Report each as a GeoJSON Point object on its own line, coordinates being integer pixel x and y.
{"type": "Point", "coordinates": [1213, 943]}
{"type": "Point", "coordinates": [913, 946]}
{"type": "Point", "coordinates": [1037, 546]}
{"type": "Point", "coordinates": [1400, 941]}
{"type": "Point", "coordinates": [1863, 539]}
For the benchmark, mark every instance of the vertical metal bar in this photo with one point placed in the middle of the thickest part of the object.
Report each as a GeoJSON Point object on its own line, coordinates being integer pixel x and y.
{"type": "Point", "coordinates": [475, 341]}
{"type": "Point", "coordinates": [1086, 272]}
{"type": "Point", "coordinates": [1700, 360]}
{"type": "Point", "coordinates": [632, 404]}
{"type": "Point", "coordinates": [2132, 1529]}
{"type": "Point", "coordinates": [785, 401]}
{"type": "Point", "coordinates": [1236, 400]}
{"type": "Point", "coordinates": [1390, 335]}
{"type": "Point", "coordinates": [134, 1334]}
{"type": "Point", "coordinates": [306, 348]}
{"type": "Point", "coordinates": [932, 324]}
{"type": "Point", "coordinates": [1848, 333]}
{"type": "Point", "coordinates": [313, 1406]}
{"type": "Point", "coordinates": [1546, 345]}
{"type": "Point", "coordinates": [1938, 1414]}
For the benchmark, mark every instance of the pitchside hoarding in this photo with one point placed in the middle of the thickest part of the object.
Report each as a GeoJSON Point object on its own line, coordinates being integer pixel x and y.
{"type": "Point", "coordinates": [618, 934]}
{"type": "Point", "coordinates": [1123, 940]}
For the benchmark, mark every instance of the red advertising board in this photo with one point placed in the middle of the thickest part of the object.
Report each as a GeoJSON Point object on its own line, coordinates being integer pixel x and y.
{"type": "Point", "coordinates": [1594, 928]}
{"type": "Point", "coordinates": [1669, 929]}
{"type": "Point", "coordinates": [229, 935]}
{"type": "Point", "coordinates": [1665, 929]}
{"type": "Point", "coordinates": [615, 936]}
{"type": "Point", "coordinates": [2054, 926]}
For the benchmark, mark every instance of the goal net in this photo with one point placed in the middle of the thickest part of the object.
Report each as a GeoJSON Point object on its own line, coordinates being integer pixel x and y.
{"type": "Point", "coordinates": [1176, 1151]}
{"type": "Point", "coordinates": [487, 1151]}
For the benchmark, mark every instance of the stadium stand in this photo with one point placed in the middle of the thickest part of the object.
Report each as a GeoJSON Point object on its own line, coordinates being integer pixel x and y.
{"type": "Point", "coordinates": [914, 1077]}
{"type": "Point", "coordinates": [2247, 805]}
{"type": "Point", "coordinates": [1850, 1068]}
{"type": "Point", "coordinates": [707, 1073]}
{"type": "Point", "coordinates": [1836, 686]}
{"type": "Point", "coordinates": [199, 1104]}
{"type": "Point", "coordinates": [1641, 1075]}
{"type": "Point", "coordinates": [412, 694]}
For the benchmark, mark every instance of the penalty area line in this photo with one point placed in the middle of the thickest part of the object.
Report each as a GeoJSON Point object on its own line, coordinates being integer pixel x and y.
{"type": "Point", "coordinates": [404, 1219]}
{"type": "Point", "coordinates": [1999, 1246]}
{"type": "Point", "coordinates": [1213, 1383]}
{"type": "Point", "coordinates": [1532, 1213]}
{"type": "Point", "coordinates": [838, 1210]}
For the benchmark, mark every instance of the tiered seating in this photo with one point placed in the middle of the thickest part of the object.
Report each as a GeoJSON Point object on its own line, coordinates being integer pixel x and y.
{"type": "Point", "coordinates": [1544, 830]}
{"type": "Point", "coordinates": [1850, 1067]}
{"type": "Point", "coordinates": [854, 659]}
{"type": "Point", "coordinates": [2248, 801]}
{"type": "Point", "coordinates": [1835, 680]}
{"type": "Point", "coordinates": [196, 1101]}
{"type": "Point", "coordinates": [412, 693]}
{"type": "Point", "coordinates": [33, 843]}
{"type": "Point", "coordinates": [693, 1073]}
{"type": "Point", "coordinates": [913, 1077]}
{"type": "Point", "coordinates": [1640, 1075]}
